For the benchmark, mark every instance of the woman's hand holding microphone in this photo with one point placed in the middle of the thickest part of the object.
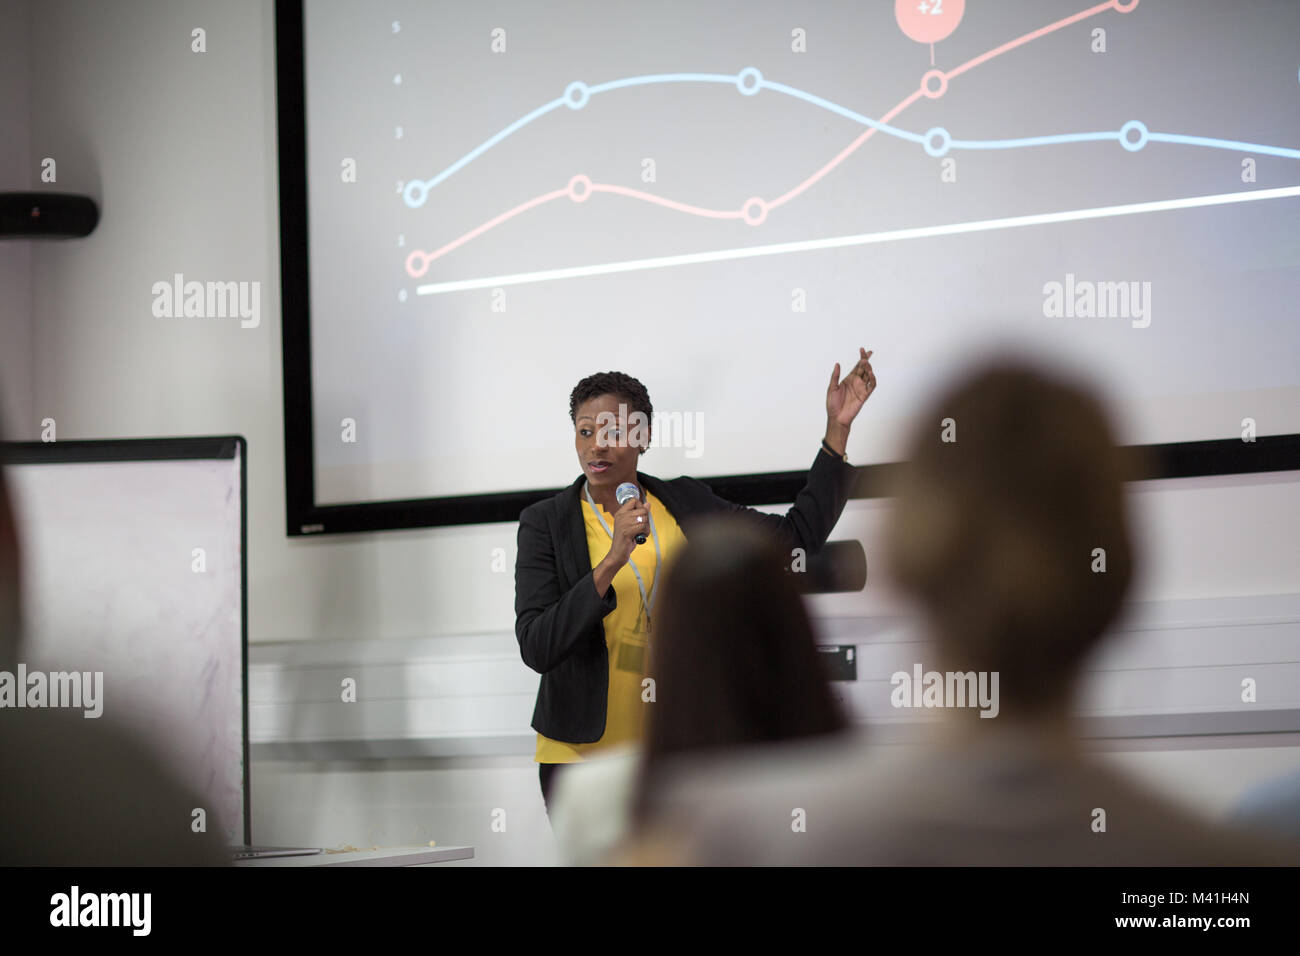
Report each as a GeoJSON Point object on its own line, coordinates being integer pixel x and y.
{"type": "Point", "coordinates": [630, 520]}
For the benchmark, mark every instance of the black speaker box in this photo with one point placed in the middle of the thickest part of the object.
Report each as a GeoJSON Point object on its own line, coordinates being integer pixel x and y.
{"type": "Point", "coordinates": [46, 216]}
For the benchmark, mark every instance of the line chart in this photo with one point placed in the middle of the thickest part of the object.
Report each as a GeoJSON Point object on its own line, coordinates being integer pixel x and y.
{"type": "Point", "coordinates": [713, 197]}
{"type": "Point", "coordinates": [936, 142]}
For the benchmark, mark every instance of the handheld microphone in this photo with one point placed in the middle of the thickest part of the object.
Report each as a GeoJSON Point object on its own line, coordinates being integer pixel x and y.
{"type": "Point", "coordinates": [625, 493]}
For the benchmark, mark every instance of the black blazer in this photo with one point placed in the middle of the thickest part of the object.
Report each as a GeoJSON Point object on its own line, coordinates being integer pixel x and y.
{"type": "Point", "coordinates": [559, 615]}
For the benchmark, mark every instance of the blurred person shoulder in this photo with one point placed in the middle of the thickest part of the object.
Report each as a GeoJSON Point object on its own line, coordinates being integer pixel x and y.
{"type": "Point", "coordinates": [1155, 829]}
{"type": "Point", "coordinates": [755, 805]}
{"type": "Point", "coordinates": [592, 806]}
{"type": "Point", "coordinates": [87, 792]}
{"type": "Point", "coordinates": [1271, 807]}
{"type": "Point", "coordinates": [1001, 803]}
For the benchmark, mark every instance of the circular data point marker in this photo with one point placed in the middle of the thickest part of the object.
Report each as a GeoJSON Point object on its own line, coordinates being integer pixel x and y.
{"type": "Point", "coordinates": [415, 193]}
{"type": "Point", "coordinates": [1133, 126]}
{"type": "Point", "coordinates": [934, 84]}
{"type": "Point", "coordinates": [580, 188]}
{"type": "Point", "coordinates": [576, 95]}
{"type": "Point", "coordinates": [940, 148]}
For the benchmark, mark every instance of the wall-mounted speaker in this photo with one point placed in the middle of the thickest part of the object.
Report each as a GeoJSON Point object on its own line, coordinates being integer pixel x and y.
{"type": "Point", "coordinates": [46, 216]}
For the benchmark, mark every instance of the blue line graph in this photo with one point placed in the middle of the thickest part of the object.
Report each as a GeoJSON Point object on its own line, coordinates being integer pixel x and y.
{"type": "Point", "coordinates": [749, 82]}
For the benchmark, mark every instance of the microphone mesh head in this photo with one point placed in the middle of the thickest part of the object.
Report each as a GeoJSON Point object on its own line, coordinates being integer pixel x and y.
{"type": "Point", "coordinates": [625, 492]}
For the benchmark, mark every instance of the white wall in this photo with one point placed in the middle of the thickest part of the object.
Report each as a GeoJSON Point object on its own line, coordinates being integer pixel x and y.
{"type": "Point", "coordinates": [180, 149]}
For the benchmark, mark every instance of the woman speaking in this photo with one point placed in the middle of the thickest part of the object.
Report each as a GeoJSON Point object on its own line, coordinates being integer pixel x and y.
{"type": "Point", "coordinates": [585, 587]}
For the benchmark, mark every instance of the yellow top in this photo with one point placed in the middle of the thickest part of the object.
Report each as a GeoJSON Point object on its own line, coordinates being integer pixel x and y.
{"type": "Point", "coordinates": [625, 632]}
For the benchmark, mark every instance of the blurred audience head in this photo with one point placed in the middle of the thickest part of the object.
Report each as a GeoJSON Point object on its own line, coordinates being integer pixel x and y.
{"type": "Point", "coordinates": [733, 656]}
{"type": "Point", "coordinates": [1010, 500]}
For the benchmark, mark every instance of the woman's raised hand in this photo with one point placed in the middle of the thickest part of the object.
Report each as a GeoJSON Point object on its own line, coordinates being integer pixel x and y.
{"type": "Point", "coordinates": [844, 399]}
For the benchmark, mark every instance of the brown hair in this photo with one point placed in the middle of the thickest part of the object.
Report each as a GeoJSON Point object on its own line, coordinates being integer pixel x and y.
{"type": "Point", "coordinates": [994, 533]}
{"type": "Point", "coordinates": [733, 655]}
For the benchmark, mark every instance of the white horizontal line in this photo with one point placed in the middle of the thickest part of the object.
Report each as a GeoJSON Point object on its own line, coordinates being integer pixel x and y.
{"type": "Point", "coordinates": [862, 239]}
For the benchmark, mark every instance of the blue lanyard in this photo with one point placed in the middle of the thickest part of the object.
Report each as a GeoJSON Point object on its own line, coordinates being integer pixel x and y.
{"type": "Point", "coordinates": [647, 603]}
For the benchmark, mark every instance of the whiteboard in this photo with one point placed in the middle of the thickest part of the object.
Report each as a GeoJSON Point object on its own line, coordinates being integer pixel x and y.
{"type": "Point", "coordinates": [134, 568]}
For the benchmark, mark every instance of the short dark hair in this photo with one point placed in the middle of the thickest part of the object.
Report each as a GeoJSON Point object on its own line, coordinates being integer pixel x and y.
{"type": "Point", "coordinates": [611, 383]}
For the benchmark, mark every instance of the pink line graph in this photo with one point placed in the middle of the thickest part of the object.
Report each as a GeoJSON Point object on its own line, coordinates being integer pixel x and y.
{"type": "Point", "coordinates": [581, 187]}
{"type": "Point", "coordinates": [846, 152]}
{"type": "Point", "coordinates": [1043, 31]}
{"type": "Point", "coordinates": [668, 203]}
{"type": "Point", "coordinates": [479, 230]}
